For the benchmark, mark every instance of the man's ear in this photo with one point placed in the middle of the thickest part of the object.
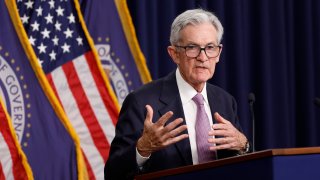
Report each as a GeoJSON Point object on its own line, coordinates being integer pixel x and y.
{"type": "Point", "coordinates": [173, 54]}
{"type": "Point", "coordinates": [218, 58]}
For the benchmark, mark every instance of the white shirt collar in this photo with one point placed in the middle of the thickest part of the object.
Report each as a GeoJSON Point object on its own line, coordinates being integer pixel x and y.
{"type": "Point", "coordinates": [187, 92]}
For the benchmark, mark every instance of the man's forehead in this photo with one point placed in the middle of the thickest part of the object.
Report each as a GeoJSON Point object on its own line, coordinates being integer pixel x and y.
{"type": "Point", "coordinates": [197, 35]}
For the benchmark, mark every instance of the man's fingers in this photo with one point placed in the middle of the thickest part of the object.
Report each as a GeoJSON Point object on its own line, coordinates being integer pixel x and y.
{"type": "Point", "coordinates": [222, 140]}
{"type": "Point", "coordinates": [222, 132]}
{"type": "Point", "coordinates": [176, 139]}
{"type": "Point", "coordinates": [163, 119]}
{"type": "Point", "coordinates": [219, 147]}
{"type": "Point", "coordinates": [178, 130]}
{"type": "Point", "coordinates": [172, 131]}
{"type": "Point", "coordinates": [220, 119]}
{"type": "Point", "coordinates": [219, 126]}
{"type": "Point", "coordinates": [173, 124]}
{"type": "Point", "coordinates": [223, 143]}
{"type": "Point", "coordinates": [161, 135]}
{"type": "Point", "coordinates": [149, 114]}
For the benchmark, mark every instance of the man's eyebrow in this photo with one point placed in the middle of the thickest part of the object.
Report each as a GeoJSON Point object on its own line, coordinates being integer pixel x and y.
{"type": "Point", "coordinates": [195, 44]}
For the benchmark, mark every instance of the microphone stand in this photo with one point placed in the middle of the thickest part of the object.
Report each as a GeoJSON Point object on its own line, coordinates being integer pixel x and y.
{"type": "Point", "coordinates": [251, 99]}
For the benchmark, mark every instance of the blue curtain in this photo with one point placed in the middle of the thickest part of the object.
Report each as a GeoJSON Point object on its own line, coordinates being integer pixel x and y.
{"type": "Point", "coordinates": [270, 48]}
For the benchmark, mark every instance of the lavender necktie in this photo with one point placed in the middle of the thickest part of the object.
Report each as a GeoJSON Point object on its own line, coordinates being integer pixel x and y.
{"type": "Point", "coordinates": [202, 129]}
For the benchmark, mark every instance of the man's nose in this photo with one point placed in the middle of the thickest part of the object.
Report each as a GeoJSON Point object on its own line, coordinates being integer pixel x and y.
{"type": "Point", "coordinates": [202, 55]}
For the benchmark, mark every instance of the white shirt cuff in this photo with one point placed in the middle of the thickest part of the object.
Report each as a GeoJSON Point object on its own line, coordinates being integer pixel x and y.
{"type": "Point", "coordinates": [140, 159]}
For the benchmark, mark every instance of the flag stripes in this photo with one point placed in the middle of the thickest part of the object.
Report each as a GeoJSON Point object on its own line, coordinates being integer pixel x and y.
{"type": "Point", "coordinates": [2, 177]}
{"type": "Point", "coordinates": [73, 83]}
{"type": "Point", "coordinates": [6, 160]}
{"type": "Point", "coordinates": [13, 163]}
{"type": "Point", "coordinates": [69, 103]}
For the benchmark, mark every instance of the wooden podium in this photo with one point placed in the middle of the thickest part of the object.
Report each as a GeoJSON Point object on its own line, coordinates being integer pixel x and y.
{"type": "Point", "coordinates": [274, 164]}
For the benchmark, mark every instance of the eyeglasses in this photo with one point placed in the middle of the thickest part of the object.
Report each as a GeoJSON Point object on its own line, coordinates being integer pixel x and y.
{"type": "Point", "coordinates": [193, 51]}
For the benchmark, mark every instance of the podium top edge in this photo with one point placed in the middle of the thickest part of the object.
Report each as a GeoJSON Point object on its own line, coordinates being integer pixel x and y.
{"type": "Point", "coordinates": [231, 160]}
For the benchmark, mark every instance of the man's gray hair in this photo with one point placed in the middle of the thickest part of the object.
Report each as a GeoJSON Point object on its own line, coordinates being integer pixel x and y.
{"type": "Point", "coordinates": [194, 17]}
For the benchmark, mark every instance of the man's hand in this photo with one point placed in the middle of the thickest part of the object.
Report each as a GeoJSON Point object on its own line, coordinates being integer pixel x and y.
{"type": "Point", "coordinates": [227, 136]}
{"type": "Point", "coordinates": [157, 136]}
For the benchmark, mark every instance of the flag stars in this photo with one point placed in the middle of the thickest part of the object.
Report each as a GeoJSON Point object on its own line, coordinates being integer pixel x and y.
{"type": "Point", "coordinates": [39, 11]}
{"type": "Point", "coordinates": [52, 55]}
{"type": "Point", "coordinates": [57, 25]}
{"type": "Point", "coordinates": [55, 41]}
{"type": "Point", "coordinates": [65, 48]}
{"type": "Point", "coordinates": [32, 40]}
{"type": "Point", "coordinates": [49, 19]}
{"type": "Point", "coordinates": [71, 18]}
{"type": "Point", "coordinates": [42, 48]}
{"type": "Point", "coordinates": [51, 3]}
{"type": "Point", "coordinates": [80, 41]}
{"type": "Point", "coordinates": [25, 19]}
{"type": "Point", "coordinates": [53, 35]}
{"type": "Point", "coordinates": [29, 4]}
{"type": "Point", "coordinates": [45, 33]}
{"type": "Point", "coordinates": [59, 11]}
{"type": "Point", "coordinates": [68, 33]}
{"type": "Point", "coordinates": [35, 26]}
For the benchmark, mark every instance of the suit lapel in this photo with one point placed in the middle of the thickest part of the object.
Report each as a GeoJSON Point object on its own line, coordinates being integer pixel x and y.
{"type": "Point", "coordinates": [171, 102]}
{"type": "Point", "coordinates": [213, 101]}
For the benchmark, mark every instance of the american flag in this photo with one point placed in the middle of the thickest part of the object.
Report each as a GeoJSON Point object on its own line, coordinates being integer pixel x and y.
{"type": "Point", "coordinates": [59, 37]}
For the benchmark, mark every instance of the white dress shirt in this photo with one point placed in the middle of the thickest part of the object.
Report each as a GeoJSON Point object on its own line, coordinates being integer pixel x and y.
{"type": "Point", "coordinates": [187, 92]}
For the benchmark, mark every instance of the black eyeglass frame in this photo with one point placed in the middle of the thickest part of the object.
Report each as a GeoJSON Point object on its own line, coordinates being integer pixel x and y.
{"type": "Point", "coordinates": [200, 49]}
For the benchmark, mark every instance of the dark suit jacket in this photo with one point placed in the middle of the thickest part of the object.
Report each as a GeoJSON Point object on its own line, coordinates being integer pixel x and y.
{"type": "Point", "coordinates": [163, 96]}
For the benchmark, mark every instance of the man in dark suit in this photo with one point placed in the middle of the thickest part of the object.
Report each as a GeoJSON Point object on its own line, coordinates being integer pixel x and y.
{"type": "Point", "coordinates": [159, 124]}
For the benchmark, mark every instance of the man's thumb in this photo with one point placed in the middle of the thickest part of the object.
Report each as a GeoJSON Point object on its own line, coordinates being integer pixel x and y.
{"type": "Point", "coordinates": [149, 113]}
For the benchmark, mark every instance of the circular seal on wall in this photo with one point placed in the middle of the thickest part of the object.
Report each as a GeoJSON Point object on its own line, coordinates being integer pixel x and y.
{"type": "Point", "coordinates": [12, 94]}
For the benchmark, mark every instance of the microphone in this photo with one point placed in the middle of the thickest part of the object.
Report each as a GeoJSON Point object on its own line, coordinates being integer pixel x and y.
{"type": "Point", "coordinates": [251, 100]}
{"type": "Point", "coordinates": [317, 101]}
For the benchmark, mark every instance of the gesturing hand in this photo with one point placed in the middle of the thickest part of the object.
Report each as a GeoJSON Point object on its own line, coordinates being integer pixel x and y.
{"type": "Point", "coordinates": [156, 135]}
{"type": "Point", "coordinates": [230, 137]}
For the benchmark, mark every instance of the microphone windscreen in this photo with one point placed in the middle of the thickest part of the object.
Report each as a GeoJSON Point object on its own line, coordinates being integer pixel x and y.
{"type": "Point", "coordinates": [251, 97]}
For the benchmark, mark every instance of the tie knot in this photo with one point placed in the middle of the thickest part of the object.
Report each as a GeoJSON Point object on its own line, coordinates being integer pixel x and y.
{"type": "Point", "coordinates": [198, 99]}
